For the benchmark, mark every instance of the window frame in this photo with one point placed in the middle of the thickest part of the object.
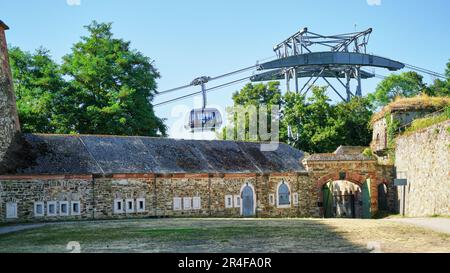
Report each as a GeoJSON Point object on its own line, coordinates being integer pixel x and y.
{"type": "Point", "coordinates": [187, 200]}
{"type": "Point", "coordinates": [138, 201]}
{"type": "Point", "coordinates": [272, 199]}
{"type": "Point", "coordinates": [127, 202]}
{"type": "Point", "coordinates": [196, 199]}
{"type": "Point", "coordinates": [116, 210]}
{"type": "Point", "coordinates": [16, 208]}
{"type": "Point", "coordinates": [72, 211]}
{"type": "Point", "coordinates": [295, 198]}
{"type": "Point", "coordinates": [278, 195]}
{"type": "Point", "coordinates": [177, 200]}
{"type": "Point", "coordinates": [227, 198]}
{"type": "Point", "coordinates": [55, 204]}
{"type": "Point", "coordinates": [35, 205]}
{"type": "Point", "coordinates": [67, 207]}
{"type": "Point", "coordinates": [237, 201]}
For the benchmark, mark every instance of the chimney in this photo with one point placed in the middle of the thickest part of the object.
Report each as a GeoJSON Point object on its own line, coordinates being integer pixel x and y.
{"type": "Point", "coordinates": [9, 120]}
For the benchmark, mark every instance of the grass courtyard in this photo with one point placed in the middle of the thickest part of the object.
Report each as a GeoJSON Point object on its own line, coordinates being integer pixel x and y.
{"type": "Point", "coordinates": [227, 235]}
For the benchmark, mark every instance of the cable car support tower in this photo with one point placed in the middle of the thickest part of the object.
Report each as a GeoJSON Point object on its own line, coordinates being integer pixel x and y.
{"type": "Point", "coordinates": [310, 55]}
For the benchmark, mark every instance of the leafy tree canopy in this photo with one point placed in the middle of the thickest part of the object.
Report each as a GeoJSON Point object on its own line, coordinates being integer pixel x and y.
{"type": "Point", "coordinates": [406, 84]}
{"type": "Point", "coordinates": [102, 87]}
{"type": "Point", "coordinates": [315, 124]}
{"type": "Point", "coordinates": [37, 81]}
{"type": "Point", "coordinates": [441, 88]}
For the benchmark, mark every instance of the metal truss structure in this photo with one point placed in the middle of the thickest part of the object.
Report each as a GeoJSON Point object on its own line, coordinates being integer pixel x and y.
{"type": "Point", "coordinates": [310, 55]}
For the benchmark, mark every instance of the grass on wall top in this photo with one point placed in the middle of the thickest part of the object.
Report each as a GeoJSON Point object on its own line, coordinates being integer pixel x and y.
{"type": "Point", "coordinates": [422, 123]}
{"type": "Point", "coordinates": [420, 102]}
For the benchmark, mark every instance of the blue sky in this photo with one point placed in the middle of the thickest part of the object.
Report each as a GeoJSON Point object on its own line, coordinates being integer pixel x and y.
{"type": "Point", "coordinates": [187, 39]}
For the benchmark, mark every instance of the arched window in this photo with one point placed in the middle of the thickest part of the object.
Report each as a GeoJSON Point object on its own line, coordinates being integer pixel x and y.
{"type": "Point", "coordinates": [284, 195]}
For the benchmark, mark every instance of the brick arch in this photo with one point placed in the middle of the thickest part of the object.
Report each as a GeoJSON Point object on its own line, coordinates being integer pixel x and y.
{"type": "Point", "coordinates": [353, 177]}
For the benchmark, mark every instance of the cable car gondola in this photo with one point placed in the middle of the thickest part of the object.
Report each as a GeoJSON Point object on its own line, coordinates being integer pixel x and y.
{"type": "Point", "coordinates": [202, 119]}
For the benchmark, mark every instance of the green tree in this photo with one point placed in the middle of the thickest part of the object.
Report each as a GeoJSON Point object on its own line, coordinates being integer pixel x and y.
{"type": "Point", "coordinates": [318, 126]}
{"type": "Point", "coordinates": [407, 84]}
{"type": "Point", "coordinates": [441, 88]}
{"type": "Point", "coordinates": [354, 117]}
{"type": "Point", "coordinates": [252, 96]}
{"type": "Point", "coordinates": [110, 87]}
{"type": "Point", "coordinates": [37, 81]}
{"type": "Point", "coordinates": [313, 123]}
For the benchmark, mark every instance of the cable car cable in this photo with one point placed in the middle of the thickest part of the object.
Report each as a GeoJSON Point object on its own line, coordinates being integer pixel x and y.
{"type": "Point", "coordinates": [200, 92]}
{"type": "Point", "coordinates": [218, 77]}
{"type": "Point", "coordinates": [426, 71]}
{"type": "Point", "coordinates": [211, 79]}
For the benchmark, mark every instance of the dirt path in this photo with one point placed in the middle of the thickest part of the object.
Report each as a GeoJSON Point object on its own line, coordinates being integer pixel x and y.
{"type": "Point", "coordinates": [436, 224]}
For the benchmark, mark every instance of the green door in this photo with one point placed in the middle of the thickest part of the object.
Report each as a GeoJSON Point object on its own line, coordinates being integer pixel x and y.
{"type": "Point", "coordinates": [328, 200]}
{"type": "Point", "coordinates": [365, 191]}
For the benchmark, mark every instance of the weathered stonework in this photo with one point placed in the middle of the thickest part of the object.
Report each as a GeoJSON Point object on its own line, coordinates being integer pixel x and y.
{"type": "Point", "coordinates": [9, 121]}
{"type": "Point", "coordinates": [43, 189]}
{"type": "Point", "coordinates": [324, 168]}
{"type": "Point", "coordinates": [424, 159]}
{"type": "Point", "coordinates": [97, 195]}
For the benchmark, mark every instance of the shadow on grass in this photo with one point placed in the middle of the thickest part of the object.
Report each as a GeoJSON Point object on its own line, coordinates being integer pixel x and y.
{"type": "Point", "coordinates": [183, 235]}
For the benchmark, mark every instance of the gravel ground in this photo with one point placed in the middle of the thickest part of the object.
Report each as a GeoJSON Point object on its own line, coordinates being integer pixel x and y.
{"type": "Point", "coordinates": [436, 224]}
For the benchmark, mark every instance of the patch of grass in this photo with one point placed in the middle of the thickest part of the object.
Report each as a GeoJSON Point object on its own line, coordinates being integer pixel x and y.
{"type": "Point", "coordinates": [223, 235]}
{"type": "Point", "coordinates": [368, 152]}
{"type": "Point", "coordinates": [422, 123]}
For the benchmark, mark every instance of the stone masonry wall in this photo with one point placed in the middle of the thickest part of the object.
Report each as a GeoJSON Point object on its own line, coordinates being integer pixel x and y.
{"type": "Point", "coordinates": [97, 196]}
{"type": "Point", "coordinates": [9, 121]}
{"type": "Point", "coordinates": [356, 172]}
{"type": "Point", "coordinates": [424, 158]}
{"type": "Point", "coordinates": [26, 192]}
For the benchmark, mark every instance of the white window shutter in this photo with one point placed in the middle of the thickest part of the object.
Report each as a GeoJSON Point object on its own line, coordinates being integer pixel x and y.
{"type": "Point", "coordinates": [196, 203]}
{"type": "Point", "coordinates": [176, 203]}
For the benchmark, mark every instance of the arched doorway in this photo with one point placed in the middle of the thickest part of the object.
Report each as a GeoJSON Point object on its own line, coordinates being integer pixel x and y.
{"type": "Point", "coordinates": [248, 201]}
{"type": "Point", "coordinates": [342, 199]}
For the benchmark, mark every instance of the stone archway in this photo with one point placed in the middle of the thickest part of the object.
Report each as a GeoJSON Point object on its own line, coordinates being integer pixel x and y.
{"type": "Point", "coordinates": [342, 199]}
{"type": "Point", "coordinates": [360, 200]}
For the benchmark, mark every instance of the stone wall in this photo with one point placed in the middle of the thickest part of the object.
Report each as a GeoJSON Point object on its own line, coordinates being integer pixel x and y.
{"type": "Point", "coordinates": [424, 158]}
{"type": "Point", "coordinates": [46, 189]}
{"type": "Point", "coordinates": [98, 195]}
{"type": "Point", "coordinates": [379, 136]}
{"type": "Point", "coordinates": [9, 121]}
{"type": "Point", "coordinates": [357, 172]}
